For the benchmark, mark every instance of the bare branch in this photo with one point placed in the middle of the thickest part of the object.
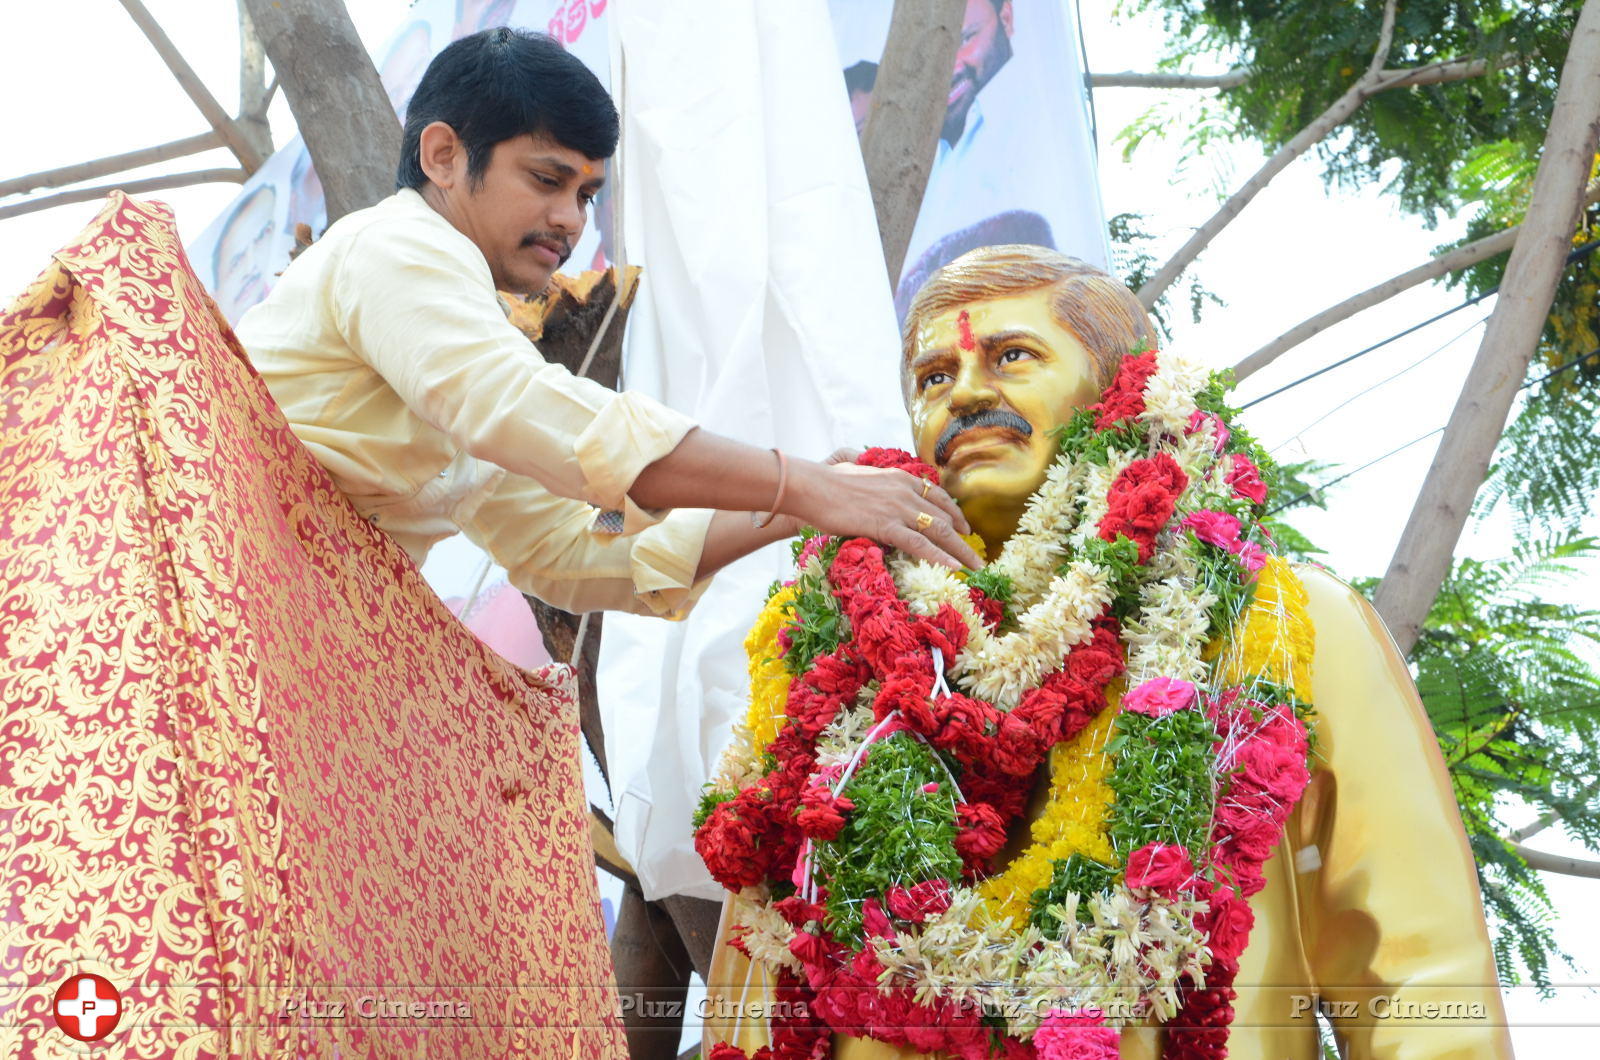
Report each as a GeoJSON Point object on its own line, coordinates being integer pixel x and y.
{"type": "Point", "coordinates": [132, 187]}
{"type": "Point", "coordinates": [1377, 79]}
{"type": "Point", "coordinates": [1380, 54]}
{"type": "Point", "coordinates": [253, 93]}
{"type": "Point", "coordinates": [1422, 558]}
{"type": "Point", "coordinates": [102, 167]}
{"type": "Point", "coordinates": [1452, 261]}
{"type": "Point", "coordinates": [908, 107]}
{"type": "Point", "coordinates": [1448, 70]}
{"type": "Point", "coordinates": [1538, 859]}
{"type": "Point", "coordinates": [236, 140]}
{"type": "Point", "coordinates": [1133, 79]}
{"type": "Point", "coordinates": [1395, 77]}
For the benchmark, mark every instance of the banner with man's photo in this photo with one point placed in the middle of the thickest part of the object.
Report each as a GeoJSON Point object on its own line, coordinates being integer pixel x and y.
{"type": "Point", "coordinates": [1015, 162]}
{"type": "Point", "coordinates": [774, 359]}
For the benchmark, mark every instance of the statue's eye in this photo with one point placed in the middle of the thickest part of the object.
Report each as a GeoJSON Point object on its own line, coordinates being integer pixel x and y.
{"type": "Point", "coordinates": [933, 379]}
{"type": "Point", "coordinates": [1013, 354]}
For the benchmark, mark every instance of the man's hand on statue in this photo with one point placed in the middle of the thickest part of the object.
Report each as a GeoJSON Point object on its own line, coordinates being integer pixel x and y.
{"type": "Point", "coordinates": [889, 506]}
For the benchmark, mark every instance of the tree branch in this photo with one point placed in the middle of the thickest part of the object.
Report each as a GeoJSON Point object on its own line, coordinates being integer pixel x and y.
{"type": "Point", "coordinates": [1538, 859]}
{"type": "Point", "coordinates": [236, 140]}
{"type": "Point", "coordinates": [1534, 827]}
{"type": "Point", "coordinates": [253, 93]}
{"type": "Point", "coordinates": [1133, 79]}
{"type": "Point", "coordinates": [908, 108]}
{"type": "Point", "coordinates": [1422, 558]}
{"type": "Point", "coordinates": [1394, 77]}
{"type": "Point", "coordinates": [1380, 54]}
{"type": "Point", "coordinates": [1303, 141]}
{"type": "Point", "coordinates": [132, 187]}
{"type": "Point", "coordinates": [1377, 79]}
{"type": "Point", "coordinates": [101, 167]}
{"type": "Point", "coordinates": [1451, 261]}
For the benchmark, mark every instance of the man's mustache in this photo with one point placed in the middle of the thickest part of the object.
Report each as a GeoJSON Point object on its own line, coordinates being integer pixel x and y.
{"type": "Point", "coordinates": [549, 237]}
{"type": "Point", "coordinates": [987, 418]}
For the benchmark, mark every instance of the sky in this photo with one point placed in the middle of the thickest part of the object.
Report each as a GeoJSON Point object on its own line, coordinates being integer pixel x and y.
{"type": "Point", "coordinates": [1298, 248]}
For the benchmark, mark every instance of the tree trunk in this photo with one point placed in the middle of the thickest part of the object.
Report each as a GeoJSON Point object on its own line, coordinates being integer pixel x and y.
{"type": "Point", "coordinates": [1422, 560]}
{"type": "Point", "coordinates": [908, 108]}
{"type": "Point", "coordinates": [338, 101]}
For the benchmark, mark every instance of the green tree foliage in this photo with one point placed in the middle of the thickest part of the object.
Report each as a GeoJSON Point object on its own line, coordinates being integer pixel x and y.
{"type": "Point", "coordinates": [1508, 678]}
{"type": "Point", "coordinates": [1304, 54]}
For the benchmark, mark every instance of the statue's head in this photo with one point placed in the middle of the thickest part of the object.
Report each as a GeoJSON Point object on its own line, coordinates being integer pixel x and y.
{"type": "Point", "coordinates": [1000, 347]}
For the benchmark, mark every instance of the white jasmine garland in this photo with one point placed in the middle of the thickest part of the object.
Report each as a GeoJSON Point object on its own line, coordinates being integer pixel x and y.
{"type": "Point", "coordinates": [1169, 393]}
{"type": "Point", "coordinates": [1126, 959]}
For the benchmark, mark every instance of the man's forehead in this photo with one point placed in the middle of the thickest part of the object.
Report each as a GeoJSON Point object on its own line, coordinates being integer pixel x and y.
{"type": "Point", "coordinates": [537, 148]}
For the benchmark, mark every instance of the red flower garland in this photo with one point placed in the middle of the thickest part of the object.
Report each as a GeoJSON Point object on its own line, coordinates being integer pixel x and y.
{"type": "Point", "coordinates": [1124, 398]}
{"type": "Point", "coordinates": [1142, 500]}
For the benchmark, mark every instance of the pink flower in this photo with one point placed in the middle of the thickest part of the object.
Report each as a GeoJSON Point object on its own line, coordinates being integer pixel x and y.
{"type": "Point", "coordinates": [1161, 867]}
{"type": "Point", "coordinates": [1066, 1034]}
{"type": "Point", "coordinates": [1198, 418]}
{"type": "Point", "coordinates": [1245, 478]}
{"type": "Point", "coordinates": [1214, 528]}
{"type": "Point", "coordinates": [931, 787]}
{"type": "Point", "coordinates": [1251, 556]}
{"type": "Point", "coordinates": [1160, 696]}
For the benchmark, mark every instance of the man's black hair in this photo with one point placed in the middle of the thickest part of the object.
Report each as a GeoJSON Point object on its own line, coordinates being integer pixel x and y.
{"type": "Point", "coordinates": [861, 77]}
{"type": "Point", "coordinates": [502, 83]}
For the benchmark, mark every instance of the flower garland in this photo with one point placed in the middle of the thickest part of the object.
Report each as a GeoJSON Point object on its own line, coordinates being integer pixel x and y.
{"type": "Point", "coordinates": [900, 712]}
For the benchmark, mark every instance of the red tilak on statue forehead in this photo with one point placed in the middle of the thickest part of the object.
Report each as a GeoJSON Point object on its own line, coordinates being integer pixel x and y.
{"type": "Point", "coordinates": [964, 322]}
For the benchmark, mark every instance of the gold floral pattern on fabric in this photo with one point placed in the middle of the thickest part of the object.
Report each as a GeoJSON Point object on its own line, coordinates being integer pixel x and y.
{"type": "Point", "coordinates": [258, 776]}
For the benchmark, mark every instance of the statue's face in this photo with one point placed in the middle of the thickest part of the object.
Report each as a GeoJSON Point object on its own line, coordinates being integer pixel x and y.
{"type": "Point", "coordinates": [989, 382]}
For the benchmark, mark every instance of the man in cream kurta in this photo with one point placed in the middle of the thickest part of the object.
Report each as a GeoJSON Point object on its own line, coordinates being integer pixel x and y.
{"type": "Point", "coordinates": [392, 316]}
{"type": "Point", "coordinates": [389, 350]}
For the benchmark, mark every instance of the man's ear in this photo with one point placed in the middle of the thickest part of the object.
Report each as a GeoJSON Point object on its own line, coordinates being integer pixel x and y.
{"type": "Point", "coordinates": [1005, 18]}
{"type": "Point", "coordinates": [441, 154]}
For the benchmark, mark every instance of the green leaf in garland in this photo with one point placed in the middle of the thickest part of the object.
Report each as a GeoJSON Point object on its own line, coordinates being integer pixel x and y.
{"type": "Point", "coordinates": [1163, 782]}
{"type": "Point", "coordinates": [1075, 874]}
{"type": "Point", "coordinates": [898, 832]}
{"type": "Point", "coordinates": [709, 801]}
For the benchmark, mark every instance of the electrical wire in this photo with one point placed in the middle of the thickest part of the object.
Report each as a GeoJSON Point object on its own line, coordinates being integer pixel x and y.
{"type": "Point", "coordinates": [1577, 254]}
{"type": "Point", "coordinates": [1361, 394]}
{"type": "Point", "coordinates": [1332, 482]}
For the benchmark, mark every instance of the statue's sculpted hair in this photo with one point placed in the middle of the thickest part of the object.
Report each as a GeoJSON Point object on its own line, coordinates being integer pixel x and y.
{"type": "Point", "coordinates": [1095, 306]}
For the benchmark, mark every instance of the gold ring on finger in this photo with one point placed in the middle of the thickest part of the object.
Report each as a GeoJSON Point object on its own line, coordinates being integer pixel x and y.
{"type": "Point", "coordinates": [926, 484]}
{"type": "Point", "coordinates": [924, 520]}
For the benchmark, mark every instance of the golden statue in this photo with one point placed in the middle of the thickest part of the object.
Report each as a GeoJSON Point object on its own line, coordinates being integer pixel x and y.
{"type": "Point", "coordinates": [1097, 904]}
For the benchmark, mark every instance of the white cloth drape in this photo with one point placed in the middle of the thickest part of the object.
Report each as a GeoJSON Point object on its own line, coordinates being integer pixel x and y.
{"type": "Point", "coordinates": [765, 314]}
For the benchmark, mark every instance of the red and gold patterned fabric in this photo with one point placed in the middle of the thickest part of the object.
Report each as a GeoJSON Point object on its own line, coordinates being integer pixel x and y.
{"type": "Point", "coordinates": [252, 771]}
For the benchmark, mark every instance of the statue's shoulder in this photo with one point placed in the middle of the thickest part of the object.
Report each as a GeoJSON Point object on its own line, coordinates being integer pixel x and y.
{"type": "Point", "coordinates": [1343, 617]}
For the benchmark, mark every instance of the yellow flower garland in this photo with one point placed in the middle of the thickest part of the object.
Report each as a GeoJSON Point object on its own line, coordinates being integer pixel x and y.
{"type": "Point", "coordinates": [769, 678]}
{"type": "Point", "coordinates": [1277, 639]}
{"type": "Point", "coordinates": [1073, 822]}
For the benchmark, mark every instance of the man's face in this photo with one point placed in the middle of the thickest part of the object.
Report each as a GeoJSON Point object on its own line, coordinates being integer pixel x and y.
{"type": "Point", "coordinates": [860, 107]}
{"type": "Point", "coordinates": [242, 276]}
{"type": "Point", "coordinates": [529, 210]}
{"type": "Point", "coordinates": [985, 47]}
{"type": "Point", "coordinates": [988, 384]}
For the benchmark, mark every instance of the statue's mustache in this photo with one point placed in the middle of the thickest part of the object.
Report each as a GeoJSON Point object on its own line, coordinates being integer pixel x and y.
{"type": "Point", "coordinates": [987, 418]}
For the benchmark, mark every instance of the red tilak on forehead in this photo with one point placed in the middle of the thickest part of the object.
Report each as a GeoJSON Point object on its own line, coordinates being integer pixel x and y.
{"type": "Point", "coordinates": [965, 323]}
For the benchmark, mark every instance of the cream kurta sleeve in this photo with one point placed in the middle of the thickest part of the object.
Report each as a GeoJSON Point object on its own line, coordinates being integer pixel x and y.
{"type": "Point", "coordinates": [1391, 920]}
{"type": "Point", "coordinates": [417, 303]}
{"type": "Point", "coordinates": [545, 544]}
